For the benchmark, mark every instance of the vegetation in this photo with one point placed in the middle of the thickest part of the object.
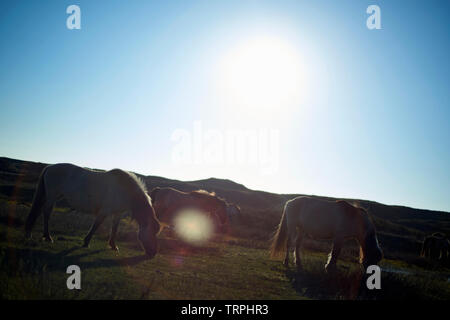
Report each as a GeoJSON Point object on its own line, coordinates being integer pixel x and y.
{"type": "Point", "coordinates": [233, 266]}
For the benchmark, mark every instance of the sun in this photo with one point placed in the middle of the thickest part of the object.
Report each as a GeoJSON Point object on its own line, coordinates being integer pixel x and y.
{"type": "Point", "coordinates": [262, 73]}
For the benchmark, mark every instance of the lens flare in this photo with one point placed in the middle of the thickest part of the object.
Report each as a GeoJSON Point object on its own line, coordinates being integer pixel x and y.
{"type": "Point", "coordinates": [193, 226]}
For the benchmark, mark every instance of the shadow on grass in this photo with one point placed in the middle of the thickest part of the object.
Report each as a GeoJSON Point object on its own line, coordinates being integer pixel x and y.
{"type": "Point", "coordinates": [179, 247]}
{"type": "Point", "coordinates": [350, 284]}
{"type": "Point", "coordinates": [11, 221]}
{"type": "Point", "coordinates": [320, 285]}
{"type": "Point", "coordinates": [15, 261]}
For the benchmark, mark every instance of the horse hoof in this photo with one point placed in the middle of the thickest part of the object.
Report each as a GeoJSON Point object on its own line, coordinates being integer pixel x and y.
{"type": "Point", "coordinates": [113, 246]}
{"type": "Point", "coordinates": [47, 239]}
{"type": "Point", "coordinates": [85, 245]}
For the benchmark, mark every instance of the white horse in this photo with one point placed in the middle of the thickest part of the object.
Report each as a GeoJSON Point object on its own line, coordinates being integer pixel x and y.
{"type": "Point", "coordinates": [322, 219]}
{"type": "Point", "coordinates": [100, 193]}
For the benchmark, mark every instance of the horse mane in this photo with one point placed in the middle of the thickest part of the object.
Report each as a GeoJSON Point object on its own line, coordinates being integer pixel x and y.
{"type": "Point", "coordinates": [362, 212]}
{"type": "Point", "coordinates": [235, 205]}
{"type": "Point", "coordinates": [139, 181]}
{"type": "Point", "coordinates": [135, 186]}
{"type": "Point", "coordinates": [153, 193]}
{"type": "Point", "coordinates": [369, 226]}
{"type": "Point", "coordinates": [370, 239]}
{"type": "Point", "coordinates": [203, 192]}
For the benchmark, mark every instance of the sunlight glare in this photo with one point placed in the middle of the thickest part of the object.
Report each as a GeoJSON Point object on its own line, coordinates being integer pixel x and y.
{"type": "Point", "coordinates": [264, 72]}
{"type": "Point", "coordinates": [193, 226]}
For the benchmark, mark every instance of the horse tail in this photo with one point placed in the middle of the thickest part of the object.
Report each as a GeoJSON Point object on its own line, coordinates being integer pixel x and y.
{"type": "Point", "coordinates": [36, 207]}
{"type": "Point", "coordinates": [279, 240]}
{"type": "Point", "coordinates": [422, 251]}
{"type": "Point", "coordinates": [425, 245]}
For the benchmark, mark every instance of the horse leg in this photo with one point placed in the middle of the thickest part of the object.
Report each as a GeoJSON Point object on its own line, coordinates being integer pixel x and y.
{"type": "Point", "coordinates": [289, 245]}
{"type": "Point", "coordinates": [431, 250]}
{"type": "Point", "coordinates": [332, 257]}
{"type": "Point", "coordinates": [112, 238]}
{"type": "Point", "coordinates": [297, 252]}
{"type": "Point", "coordinates": [98, 221]}
{"type": "Point", "coordinates": [286, 258]}
{"type": "Point", "coordinates": [48, 208]}
{"type": "Point", "coordinates": [434, 252]}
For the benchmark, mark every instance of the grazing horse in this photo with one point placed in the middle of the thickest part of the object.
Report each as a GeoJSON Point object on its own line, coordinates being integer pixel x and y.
{"type": "Point", "coordinates": [436, 247]}
{"type": "Point", "coordinates": [233, 210]}
{"type": "Point", "coordinates": [168, 201]}
{"type": "Point", "coordinates": [100, 193]}
{"type": "Point", "coordinates": [322, 219]}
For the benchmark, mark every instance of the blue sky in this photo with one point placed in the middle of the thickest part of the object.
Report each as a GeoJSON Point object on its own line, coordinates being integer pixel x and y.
{"type": "Point", "coordinates": [368, 116]}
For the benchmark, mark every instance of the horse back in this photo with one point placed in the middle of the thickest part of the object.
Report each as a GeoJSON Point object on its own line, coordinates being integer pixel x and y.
{"type": "Point", "coordinates": [323, 219]}
{"type": "Point", "coordinates": [164, 202]}
{"type": "Point", "coordinates": [85, 190]}
{"type": "Point", "coordinates": [65, 177]}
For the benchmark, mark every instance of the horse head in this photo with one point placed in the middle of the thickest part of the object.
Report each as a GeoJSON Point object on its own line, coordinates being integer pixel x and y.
{"type": "Point", "coordinates": [370, 251]}
{"type": "Point", "coordinates": [149, 228]}
{"type": "Point", "coordinates": [233, 211]}
{"type": "Point", "coordinates": [222, 215]}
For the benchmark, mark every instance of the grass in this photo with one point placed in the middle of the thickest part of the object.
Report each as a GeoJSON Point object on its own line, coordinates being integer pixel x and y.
{"type": "Point", "coordinates": [226, 268]}
{"type": "Point", "coordinates": [36, 269]}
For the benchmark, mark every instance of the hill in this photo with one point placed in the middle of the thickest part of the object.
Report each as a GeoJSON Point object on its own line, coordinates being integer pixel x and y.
{"type": "Point", "coordinates": [400, 230]}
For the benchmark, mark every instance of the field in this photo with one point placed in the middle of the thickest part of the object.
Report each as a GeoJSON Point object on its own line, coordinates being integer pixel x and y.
{"type": "Point", "coordinates": [231, 266]}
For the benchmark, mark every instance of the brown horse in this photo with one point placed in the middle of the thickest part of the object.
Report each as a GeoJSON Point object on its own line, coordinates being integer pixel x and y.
{"type": "Point", "coordinates": [103, 194]}
{"type": "Point", "coordinates": [168, 201]}
{"type": "Point", "coordinates": [322, 219]}
{"type": "Point", "coordinates": [436, 247]}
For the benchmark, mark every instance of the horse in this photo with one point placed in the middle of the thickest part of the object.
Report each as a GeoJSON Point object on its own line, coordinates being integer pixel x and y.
{"type": "Point", "coordinates": [323, 219]}
{"type": "Point", "coordinates": [103, 194]}
{"type": "Point", "coordinates": [436, 247]}
{"type": "Point", "coordinates": [168, 201]}
{"type": "Point", "coordinates": [233, 211]}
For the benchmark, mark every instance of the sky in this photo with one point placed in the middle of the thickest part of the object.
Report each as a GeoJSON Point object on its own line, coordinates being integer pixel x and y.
{"type": "Point", "coordinates": [282, 96]}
